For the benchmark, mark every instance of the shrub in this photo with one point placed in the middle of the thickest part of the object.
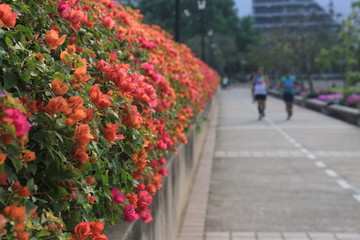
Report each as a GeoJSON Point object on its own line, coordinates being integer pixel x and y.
{"type": "Point", "coordinates": [106, 96]}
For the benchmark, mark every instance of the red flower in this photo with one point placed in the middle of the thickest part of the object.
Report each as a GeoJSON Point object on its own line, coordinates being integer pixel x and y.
{"type": "Point", "coordinates": [7, 17]}
{"type": "Point", "coordinates": [97, 227]}
{"type": "Point", "coordinates": [82, 230]}
{"type": "Point", "coordinates": [3, 177]}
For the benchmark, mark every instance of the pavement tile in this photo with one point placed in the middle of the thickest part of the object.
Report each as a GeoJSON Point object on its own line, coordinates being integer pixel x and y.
{"type": "Point", "coordinates": [243, 234]}
{"type": "Point", "coordinates": [348, 236]}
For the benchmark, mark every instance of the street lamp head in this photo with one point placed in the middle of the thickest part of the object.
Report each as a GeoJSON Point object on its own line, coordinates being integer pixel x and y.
{"type": "Point", "coordinates": [201, 4]}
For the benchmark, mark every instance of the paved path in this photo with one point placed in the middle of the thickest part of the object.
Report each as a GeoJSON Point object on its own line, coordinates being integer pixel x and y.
{"type": "Point", "coordinates": [276, 179]}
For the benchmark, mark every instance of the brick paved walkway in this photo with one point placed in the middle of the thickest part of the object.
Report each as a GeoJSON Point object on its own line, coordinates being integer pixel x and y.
{"type": "Point", "coordinates": [275, 179]}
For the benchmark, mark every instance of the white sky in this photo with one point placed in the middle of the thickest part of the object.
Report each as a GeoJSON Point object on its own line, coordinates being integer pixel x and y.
{"type": "Point", "coordinates": [340, 6]}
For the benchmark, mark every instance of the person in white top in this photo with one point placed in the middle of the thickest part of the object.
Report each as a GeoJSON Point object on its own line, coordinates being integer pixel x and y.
{"type": "Point", "coordinates": [259, 83]}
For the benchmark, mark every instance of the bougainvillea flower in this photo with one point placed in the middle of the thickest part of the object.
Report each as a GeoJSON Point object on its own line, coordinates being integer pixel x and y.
{"type": "Point", "coordinates": [18, 119]}
{"type": "Point", "coordinates": [81, 70]}
{"type": "Point", "coordinates": [116, 196]}
{"type": "Point", "coordinates": [52, 38]}
{"type": "Point", "coordinates": [129, 213]}
{"type": "Point", "coordinates": [3, 177]}
{"type": "Point", "coordinates": [83, 135]}
{"type": "Point", "coordinates": [101, 100]}
{"type": "Point", "coordinates": [100, 237]}
{"type": "Point", "coordinates": [82, 230]}
{"type": "Point", "coordinates": [17, 213]}
{"type": "Point", "coordinates": [29, 156]}
{"type": "Point", "coordinates": [3, 156]}
{"type": "Point", "coordinates": [56, 105]}
{"type": "Point", "coordinates": [108, 22]}
{"type": "Point", "coordinates": [22, 191]}
{"type": "Point", "coordinates": [23, 236]}
{"type": "Point", "coordinates": [7, 17]}
{"type": "Point", "coordinates": [58, 87]}
{"type": "Point", "coordinates": [110, 132]}
{"type": "Point", "coordinates": [97, 227]}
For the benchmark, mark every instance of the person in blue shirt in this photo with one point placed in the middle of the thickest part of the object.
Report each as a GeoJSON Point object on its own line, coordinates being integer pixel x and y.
{"type": "Point", "coordinates": [288, 91]}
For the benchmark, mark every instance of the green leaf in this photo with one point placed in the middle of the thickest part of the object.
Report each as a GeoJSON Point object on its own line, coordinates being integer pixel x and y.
{"type": "Point", "coordinates": [43, 233]}
{"type": "Point", "coordinates": [23, 29]}
{"type": "Point", "coordinates": [8, 41]}
{"type": "Point", "coordinates": [10, 80]}
{"type": "Point", "coordinates": [58, 193]}
{"type": "Point", "coordinates": [30, 184]}
{"type": "Point", "coordinates": [18, 164]}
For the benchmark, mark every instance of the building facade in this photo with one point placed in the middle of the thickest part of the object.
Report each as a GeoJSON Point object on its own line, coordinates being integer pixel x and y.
{"type": "Point", "coordinates": [270, 14]}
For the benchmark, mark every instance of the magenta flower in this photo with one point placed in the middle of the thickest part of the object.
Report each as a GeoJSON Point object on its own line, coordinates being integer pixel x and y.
{"type": "Point", "coordinates": [18, 119]}
{"type": "Point", "coordinates": [129, 213]}
{"type": "Point", "coordinates": [116, 196]}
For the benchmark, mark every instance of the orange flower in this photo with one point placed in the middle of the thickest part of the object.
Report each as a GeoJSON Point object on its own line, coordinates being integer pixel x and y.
{"type": "Point", "coordinates": [7, 17]}
{"type": "Point", "coordinates": [100, 100]}
{"type": "Point", "coordinates": [3, 157]}
{"type": "Point", "coordinates": [58, 87]}
{"type": "Point", "coordinates": [39, 56]}
{"type": "Point", "coordinates": [91, 199]}
{"type": "Point", "coordinates": [29, 156]}
{"type": "Point", "coordinates": [33, 213]}
{"type": "Point", "coordinates": [81, 71]}
{"type": "Point", "coordinates": [56, 105]}
{"type": "Point", "coordinates": [83, 135]}
{"type": "Point", "coordinates": [71, 48]}
{"type": "Point", "coordinates": [22, 191]}
{"type": "Point", "coordinates": [19, 228]}
{"type": "Point", "coordinates": [23, 236]}
{"type": "Point", "coordinates": [62, 57]}
{"type": "Point", "coordinates": [52, 38]}
{"type": "Point", "coordinates": [17, 213]}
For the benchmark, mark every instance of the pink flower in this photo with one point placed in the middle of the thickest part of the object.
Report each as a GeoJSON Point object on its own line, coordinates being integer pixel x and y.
{"type": "Point", "coordinates": [18, 119]}
{"type": "Point", "coordinates": [162, 161]}
{"type": "Point", "coordinates": [163, 172]}
{"type": "Point", "coordinates": [129, 213]}
{"type": "Point", "coordinates": [146, 216]}
{"type": "Point", "coordinates": [116, 196]}
{"type": "Point", "coordinates": [144, 199]}
{"type": "Point", "coordinates": [108, 22]}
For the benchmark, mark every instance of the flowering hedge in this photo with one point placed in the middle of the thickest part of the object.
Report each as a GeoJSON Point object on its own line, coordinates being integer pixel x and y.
{"type": "Point", "coordinates": [91, 101]}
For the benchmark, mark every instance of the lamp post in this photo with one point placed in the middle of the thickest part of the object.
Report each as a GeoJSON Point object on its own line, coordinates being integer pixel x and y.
{"type": "Point", "coordinates": [210, 33]}
{"type": "Point", "coordinates": [201, 6]}
{"type": "Point", "coordinates": [177, 20]}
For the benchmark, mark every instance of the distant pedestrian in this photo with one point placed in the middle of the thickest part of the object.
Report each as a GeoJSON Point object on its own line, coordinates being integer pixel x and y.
{"type": "Point", "coordinates": [224, 82]}
{"type": "Point", "coordinates": [288, 90]}
{"type": "Point", "coordinates": [260, 83]}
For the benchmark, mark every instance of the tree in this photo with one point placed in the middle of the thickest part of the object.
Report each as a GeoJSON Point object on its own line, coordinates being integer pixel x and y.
{"type": "Point", "coordinates": [231, 35]}
{"type": "Point", "coordinates": [347, 50]}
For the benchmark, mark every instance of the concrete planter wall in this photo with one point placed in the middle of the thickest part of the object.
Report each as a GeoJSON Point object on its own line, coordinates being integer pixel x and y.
{"type": "Point", "coordinates": [347, 114]}
{"type": "Point", "coordinates": [169, 202]}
